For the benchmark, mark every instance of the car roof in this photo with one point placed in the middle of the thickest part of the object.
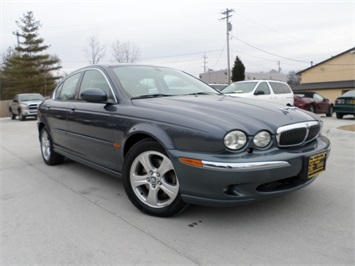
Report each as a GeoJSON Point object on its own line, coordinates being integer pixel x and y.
{"type": "Point", "coordinates": [260, 80]}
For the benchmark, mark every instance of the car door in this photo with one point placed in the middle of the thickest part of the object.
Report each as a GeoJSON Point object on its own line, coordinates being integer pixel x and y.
{"type": "Point", "coordinates": [321, 103]}
{"type": "Point", "coordinates": [56, 111]}
{"type": "Point", "coordinates": [90, 124]}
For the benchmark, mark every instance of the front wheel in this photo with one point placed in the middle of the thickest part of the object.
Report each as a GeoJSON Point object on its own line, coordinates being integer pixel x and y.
{"type": "Point", "coordinates": [150, 180]}
{"type": "Point", "coordinates": [330, 111]}
{"type": "Point", "coordinates": [21, 117]}
{"type": "Point", "coordinates": [49, 156]}
{"type": "Point", "coordinates": [312, 109]}
{"type": "Point", "coordinates": [339, 115]}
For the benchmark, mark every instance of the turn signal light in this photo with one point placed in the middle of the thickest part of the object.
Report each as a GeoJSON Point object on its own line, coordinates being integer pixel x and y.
{"type": "Point", "coordinates": [193, 162]}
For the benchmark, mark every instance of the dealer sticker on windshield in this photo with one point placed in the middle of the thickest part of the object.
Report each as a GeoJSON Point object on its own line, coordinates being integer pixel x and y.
{"type": "Point", "coordinates": [316, 164]}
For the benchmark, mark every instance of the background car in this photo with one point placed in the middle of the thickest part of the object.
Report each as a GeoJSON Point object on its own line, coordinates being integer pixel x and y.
{"type": "Point", "coordinates": [269, 90]}
{"type": "Point", "coordinates": [24, 105]}
{"type": "Point", "coordinates": [218, 86]}
{"type": "Point", "coordinates": [314, 102]}
{"type": "Point", "coordinates": [174, 140]}
{"type": "Point", "coordinates": [345, 104]}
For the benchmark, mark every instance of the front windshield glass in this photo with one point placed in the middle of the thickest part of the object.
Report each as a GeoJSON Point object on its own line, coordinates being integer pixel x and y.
{"type": "Point", "coordinates": [240, 87]}
{"type": "Point", "coordinates": [150, 81]}
{"type": "Point", "coordinates": [31, 97]}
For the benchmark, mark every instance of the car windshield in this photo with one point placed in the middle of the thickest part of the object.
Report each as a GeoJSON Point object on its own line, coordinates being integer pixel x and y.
{"type": "Point", "coordinates": [149, 82]}
{"type": "Point", "coordinates": [240, 87]}
{"type": "Point", "coordinates": [349, 94]}
{"type": "Point", "coordinates": [31, 97]}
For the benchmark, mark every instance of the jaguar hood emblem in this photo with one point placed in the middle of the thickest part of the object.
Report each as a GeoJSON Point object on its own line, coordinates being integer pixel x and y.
{"type": "Point", "coordinates": [287, 109]}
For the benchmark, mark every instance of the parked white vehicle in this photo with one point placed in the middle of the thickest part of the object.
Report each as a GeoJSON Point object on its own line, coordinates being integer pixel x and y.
{"type": "Point", "coordinates": [268, 90]}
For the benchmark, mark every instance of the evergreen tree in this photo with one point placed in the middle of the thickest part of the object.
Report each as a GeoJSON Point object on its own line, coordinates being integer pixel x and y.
{"type": "Point", "coordinates": [238, 71]}
{"type": "Point", "coordinates": [27, 68]}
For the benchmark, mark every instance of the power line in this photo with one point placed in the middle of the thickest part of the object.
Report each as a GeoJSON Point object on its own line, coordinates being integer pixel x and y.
{"type": "Point", "coordinates": [280, 56]}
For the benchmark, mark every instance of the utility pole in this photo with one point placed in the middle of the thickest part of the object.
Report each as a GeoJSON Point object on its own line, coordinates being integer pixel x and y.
{"type": "Point", "coordinates": [204, 63]}
{"type": "Point", "coordinates": [229, 28]}
{"type": "Point", "coordinates": [278, 63]}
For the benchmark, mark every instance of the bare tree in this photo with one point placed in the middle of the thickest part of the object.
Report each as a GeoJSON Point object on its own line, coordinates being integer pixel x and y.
{"type": "Point", "coordinates": [94, 52]}
{"type": "Point", "coordinates": [126, 52]}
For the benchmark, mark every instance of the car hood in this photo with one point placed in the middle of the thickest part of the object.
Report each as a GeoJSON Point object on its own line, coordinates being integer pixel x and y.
{"type": "Point", "coordinates": [31, 102]}
{"type": "Point", "coordinates": [224, 112]}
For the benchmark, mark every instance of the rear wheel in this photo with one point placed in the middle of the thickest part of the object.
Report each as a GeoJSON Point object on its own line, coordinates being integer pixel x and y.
{"type": "Point", "coordinates": [13, 116]}
{"type": "Point", "coordinates": [49, 156]}
{"type": "Point", "coordinates": [150, 180]}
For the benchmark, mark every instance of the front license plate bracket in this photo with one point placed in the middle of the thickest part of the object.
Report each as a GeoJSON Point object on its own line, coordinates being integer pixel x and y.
{"type": "Point", "coordinates": [316, 164]}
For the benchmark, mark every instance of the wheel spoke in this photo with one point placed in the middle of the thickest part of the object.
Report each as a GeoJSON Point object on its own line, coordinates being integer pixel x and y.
{"type": "Point", "coordinates": [138, 180]}
{"type": "Point", "coordinates": [144, 159]}
{"type": "Point", "coordinates": [152, 198]}
{"type": "Point", "coordinates": [165, 166]}
{"type": "Point", "coordinates": [170, 190]}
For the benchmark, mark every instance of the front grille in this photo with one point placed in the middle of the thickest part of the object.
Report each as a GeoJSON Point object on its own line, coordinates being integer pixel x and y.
{"type": "Point", "coordinates": [33, 106]}
{"type": "Point", "coordinates": [297, 134]}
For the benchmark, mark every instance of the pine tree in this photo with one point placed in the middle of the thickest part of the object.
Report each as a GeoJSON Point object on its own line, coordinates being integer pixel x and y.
{"type": "Point", "coordinates": [27, 68]}
{"type": "Point", "coordinates": [238, 71]}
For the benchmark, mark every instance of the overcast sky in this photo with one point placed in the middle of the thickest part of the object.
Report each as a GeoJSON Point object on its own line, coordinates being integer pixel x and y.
{"type": "Point", "coordinates": [178, 33]}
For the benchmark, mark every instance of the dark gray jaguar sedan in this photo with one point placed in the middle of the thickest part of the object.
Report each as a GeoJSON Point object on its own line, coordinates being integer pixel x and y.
{"type": "Point", "coordinates": [176, 141]}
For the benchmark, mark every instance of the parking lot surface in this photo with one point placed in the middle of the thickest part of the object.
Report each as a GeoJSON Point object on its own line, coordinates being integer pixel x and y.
{"type": "Point", "coordinates": [71, 214]}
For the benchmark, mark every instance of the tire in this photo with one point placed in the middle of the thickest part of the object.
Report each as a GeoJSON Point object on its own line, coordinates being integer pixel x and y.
{"type": "Point", "coordinates": [49, 156]}
{"type": "Point", "coordinates": [339, 115]}
{"type": "Point", "coordinates": [150, 181]}
{"type": "Point", "coordinates": [330, 111]}
{"type": "Point", "coordinates": [12, 115]}
{"type": "Point", "coordinates": [21, 117]}
{"type": "Point", "coordinates": [311, 109]}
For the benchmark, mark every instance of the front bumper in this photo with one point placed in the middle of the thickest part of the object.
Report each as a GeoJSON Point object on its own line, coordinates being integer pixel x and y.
{"type": "Point", "coordinates": [345, 109]}
{"type": "Point", "coordinates": [29, 112]}
{"type": "Point", "coordinates": [226, 180]}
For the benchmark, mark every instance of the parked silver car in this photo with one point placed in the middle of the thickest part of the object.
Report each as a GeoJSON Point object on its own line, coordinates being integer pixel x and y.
{"type": "Point", "coordinates": [24, 105]}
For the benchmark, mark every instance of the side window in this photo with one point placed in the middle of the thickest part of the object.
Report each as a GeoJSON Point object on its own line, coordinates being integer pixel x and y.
{"type": "Point", "coordinates": [95, 79]}
{"type": "Point", "coordinates": [262, 89]}
{"type": "Point", "coordinates": [286, 88]}
{"type": "Point", "coordinates": [68, 88]}
{"type": "Point", "coordinates": [318, 97]}
{"type": "Point", "coordinates": [276, 87]}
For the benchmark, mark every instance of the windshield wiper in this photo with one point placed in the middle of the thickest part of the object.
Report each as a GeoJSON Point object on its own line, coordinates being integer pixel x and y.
{"type": "Point", "coordinates": [200, 93]}
{"type": "Point", "coordinates": [151, 96]}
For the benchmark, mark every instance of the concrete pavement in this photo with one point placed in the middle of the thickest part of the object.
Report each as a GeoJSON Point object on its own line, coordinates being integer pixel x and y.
{"type": "Point", "coordinates": [70, 214]}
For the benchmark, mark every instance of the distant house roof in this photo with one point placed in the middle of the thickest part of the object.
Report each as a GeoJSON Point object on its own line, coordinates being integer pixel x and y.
{"type": "Point", "coordinates": [351, 49]}
{"type": "Point", "coordinates": [326, 85]}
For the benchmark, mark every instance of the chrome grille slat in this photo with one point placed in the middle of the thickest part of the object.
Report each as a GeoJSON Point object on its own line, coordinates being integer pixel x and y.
{"type": "Point", "coordinates": [297, 134]}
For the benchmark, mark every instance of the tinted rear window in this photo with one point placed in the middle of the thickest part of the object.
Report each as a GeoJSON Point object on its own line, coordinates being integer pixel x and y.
{"type": "Point", "coordinates": [280, 88]}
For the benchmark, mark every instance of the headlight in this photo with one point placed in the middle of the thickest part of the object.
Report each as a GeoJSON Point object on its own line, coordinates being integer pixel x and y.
{"type": "Point", "coordinates": [262, 139]}
{"type": "Point", "coordinates": [24, 106]}
{"type": "Point", "coordinates": [235, 140]}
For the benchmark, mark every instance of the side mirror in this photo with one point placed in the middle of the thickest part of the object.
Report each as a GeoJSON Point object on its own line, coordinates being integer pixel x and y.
{"type": "Point", "coordinates": [94, 95]}
{"type": "Point", "coordinates": [259, 93]}
{"type": "Point", "coordinates": [15, 101]}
